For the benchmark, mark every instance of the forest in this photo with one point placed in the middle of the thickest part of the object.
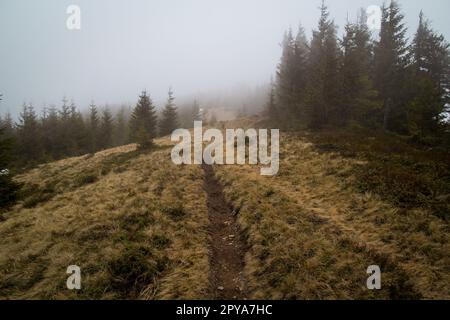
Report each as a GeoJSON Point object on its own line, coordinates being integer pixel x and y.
{"type": "Point", "coordinates": [386, 83]}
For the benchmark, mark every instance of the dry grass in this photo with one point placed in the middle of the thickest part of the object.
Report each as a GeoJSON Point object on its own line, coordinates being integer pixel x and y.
{"type": "Point", "coordinates": [112, 215]}
{"type": "Point", "coordinates": [137, 226]}
{"type": "Point", "coordinates": [311, 234]}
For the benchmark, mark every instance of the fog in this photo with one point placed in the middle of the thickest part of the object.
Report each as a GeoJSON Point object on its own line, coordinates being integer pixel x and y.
{"type": "Point", "coordinates": [124, 47]}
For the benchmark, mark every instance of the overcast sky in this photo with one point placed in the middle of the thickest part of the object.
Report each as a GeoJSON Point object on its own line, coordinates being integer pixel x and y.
{"type": "Point", "coordinates": [125, 46]}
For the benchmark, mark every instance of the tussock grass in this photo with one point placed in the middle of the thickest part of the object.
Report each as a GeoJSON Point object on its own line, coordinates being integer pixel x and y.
{"type": "Point", "coordinates": [396, 168]}
{"type": "Point", "coordinates": [108, 214]}
{"type": "Point", "coordinates": [137, 225]}
{"type": "Point", "coordinates": [312, 233]}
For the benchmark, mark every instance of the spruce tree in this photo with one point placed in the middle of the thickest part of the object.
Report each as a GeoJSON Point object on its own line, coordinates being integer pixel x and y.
{"type": "Point", "coordinates": [8, 126]}
{"type": "Point", "coordinates": [286, 79]}
{"type": "Point", "coordinates": [29, 139]}
{"type": "Point", "coordinates": [358, 98]}
{"type": "Point", "coordinates": [121, 128]}
{"type": "Point", "coordinates": [8, 188]}
{"type": "Point", "coordinates": [323, 85]}
{"type": "Point", "coordinates": [77, 132]}
{"type": "Point", "coordinates": [271, 107]}
{"type": "Point", "coordinates": [65, 142]}
{"type": "Point", "coordinates": [429, 86]}
{"type": "Point", "coordinates": [195, 113]}
{"type": "Point", "coordinates": [143, 122]}
{"type": "Point", "coordinates": [390, 63]}
{"type": "Point", "coordinates": [94, 125]}
{"type": "Point", "coordinates": [106, 129]}
{"type": "Point", "coordinates": [169, 119]}
{"type": "Point", "coordinates": [50, 124]}
{"type": "Point", "coordinates": [300, 65]}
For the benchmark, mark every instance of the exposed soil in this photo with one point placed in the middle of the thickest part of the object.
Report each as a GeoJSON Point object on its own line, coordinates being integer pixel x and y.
{"type": "Point", "coordinates": [226, 251]}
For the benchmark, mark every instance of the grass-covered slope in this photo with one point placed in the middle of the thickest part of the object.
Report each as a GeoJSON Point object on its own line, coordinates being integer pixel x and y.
{"type": "Point", "coordinates": [311, 231]}
{"type": "Point", "coordinates": [138, 225]}
{"type": "Point", "coordinates": [134, 223]}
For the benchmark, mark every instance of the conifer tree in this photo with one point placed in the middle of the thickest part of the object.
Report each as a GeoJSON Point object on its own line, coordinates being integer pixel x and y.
{"type": "Point", "coordinates": [94, 125]}
{"type": "Point", "coordinates": [429, 86]}
{"type": "Point", "coordinates": [271, 108]}
{"type": "Point", "coordinates": [64, 142]}
{"type": "Point", "coordinates": [29, 134]}
{"type": "Point", "coordinates": [390, 63]}
{"type": "Point", "coordinates": [8, 125]}
{"type": "Point", "coordinates": [106, 129]}
{"type": "Point", "coordinates": [49, 123]}
{"type": "Point", "coordinates": [358, 97]}
{"type": "Point", "coordinates": [195, 112]}
{"type": "Point", "coordinates": [121, 128]}
{"type": "Point", "coordinates": [286, 79]}
{"type": "Point", "coordinates": [143, 122]}
{"type": "Point", "coordinates": [169, 119]}
{"type": "Point", "coordinates": [323, 86]}
{"type": "Point", "coordinates": [8, 188]}
{"type": "Point", "coordinates": [78, 135]}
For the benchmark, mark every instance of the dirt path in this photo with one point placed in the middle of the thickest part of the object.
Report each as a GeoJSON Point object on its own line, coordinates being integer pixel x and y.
{"type": "Point", "coordinates": [226, 253]}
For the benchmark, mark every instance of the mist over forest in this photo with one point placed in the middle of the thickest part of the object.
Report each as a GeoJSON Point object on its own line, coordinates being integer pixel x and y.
{"type": "Point", "coordinates": [103, 105]}
{"type": "Point", "coordinates": [208, 47]}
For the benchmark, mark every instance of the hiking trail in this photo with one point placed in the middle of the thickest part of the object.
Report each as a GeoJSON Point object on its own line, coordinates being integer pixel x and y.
{"type": "Point", "coordinates": [226, 250]}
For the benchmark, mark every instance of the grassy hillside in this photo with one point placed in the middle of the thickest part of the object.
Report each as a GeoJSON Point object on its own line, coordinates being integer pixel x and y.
{"type": "Point", "coordinates": [134, 222]}
{"type": "Point", "coordinates": [142, 228]}
{"type": "Point", "coordinates": [311, 233]}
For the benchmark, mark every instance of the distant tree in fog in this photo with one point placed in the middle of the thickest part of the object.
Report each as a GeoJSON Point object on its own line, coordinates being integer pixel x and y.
{"type": "Point", "coordinates": [94, 125]}
{"type": "Point", "coordinates": [106, 129]}
{"type": "Point", "coordinates": [28, 134]}
{"type": "Point", "coordinates": [143, 122]}
{"type": "Point", "coordinates": [121, 128]}
{"type": "Point", "coordinates": [169, 119]}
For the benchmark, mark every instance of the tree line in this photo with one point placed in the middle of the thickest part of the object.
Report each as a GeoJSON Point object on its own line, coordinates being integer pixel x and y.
{"type": "Point", "coordinates": [63, 132]}
{"type": "Point", "coordinates": [384, 83]}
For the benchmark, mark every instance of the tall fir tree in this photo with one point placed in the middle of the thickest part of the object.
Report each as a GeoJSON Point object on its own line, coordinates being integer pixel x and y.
{"type": "Point", "coordinates": [78, 135]}
{"type": "Point", "coordinates": [323, 85]}
{"type": "Point", "coordinates": [389, 72]}
{"type": "Point", "coordinates": [169, 119]}
{"type": "Point", "coordinates": [28, 132]}
{"type": "Point", "coordinates": [94, 126]}
{"type": "Point", "coordinates": [8, 126]}
{"type": "Point", "coordinates": [143, 122]}
{"type": "Point", "coordinates": [8, 187]}
{"type": "Point", "coordinates": [285, 79]}
{"type": "Point", "coordinates": [429, 84]}
{"type": "Point", "coordinates": [196, 115]}
{"type": "Point", "coordinates": [271, 110]}
{"type": "Point", "coordinates": [106, 129]}
{"type": "Point", "coordinates": [49, 123]}
{"type": "Point", "coordinates": [358, 97]}
{"type": "Point", "coordinates": [121, 128]}
{"type": "Point", "coordinates": [292, 78]}
{"type": "Point", "coordinates": [64, 142]}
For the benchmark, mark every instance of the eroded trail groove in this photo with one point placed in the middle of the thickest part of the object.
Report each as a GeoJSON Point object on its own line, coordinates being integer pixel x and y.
{"type": "Point", "coordinates": [227, 255]}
